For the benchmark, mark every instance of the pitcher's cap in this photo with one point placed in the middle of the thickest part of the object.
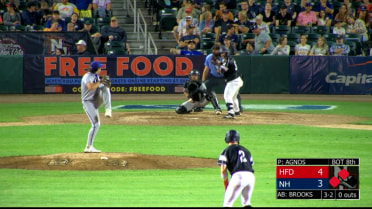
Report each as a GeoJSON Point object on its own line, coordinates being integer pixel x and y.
{"type": "Point", "coordinates": [95, 65]}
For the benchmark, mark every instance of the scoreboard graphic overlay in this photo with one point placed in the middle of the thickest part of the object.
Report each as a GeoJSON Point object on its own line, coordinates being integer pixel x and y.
{"type": "Point", "coordinates": [313, 178]}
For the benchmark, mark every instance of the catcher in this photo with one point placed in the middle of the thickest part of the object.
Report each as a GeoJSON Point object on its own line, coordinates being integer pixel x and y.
{"type": "Point", "coordinates": [196, 92]}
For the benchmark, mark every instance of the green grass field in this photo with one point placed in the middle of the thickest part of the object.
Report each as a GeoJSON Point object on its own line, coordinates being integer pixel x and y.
{"type": "Point", "coordinates": [201, 187]}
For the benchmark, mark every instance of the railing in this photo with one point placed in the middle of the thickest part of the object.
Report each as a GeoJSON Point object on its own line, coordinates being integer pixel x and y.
{"type": "Point", "coordinates": [151, 41]}
{"type": "Point", "coordinates": [141, 30]}
{"type": "Point", "coordinates": [128, 6]}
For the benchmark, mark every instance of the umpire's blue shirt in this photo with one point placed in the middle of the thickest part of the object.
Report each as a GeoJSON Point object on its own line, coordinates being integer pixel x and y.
{"type": "Point", "coordinates": [212, 67]}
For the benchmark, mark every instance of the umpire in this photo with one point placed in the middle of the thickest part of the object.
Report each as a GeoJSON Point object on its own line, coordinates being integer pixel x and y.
{"type": "Point", "coordinates": [212, 78]}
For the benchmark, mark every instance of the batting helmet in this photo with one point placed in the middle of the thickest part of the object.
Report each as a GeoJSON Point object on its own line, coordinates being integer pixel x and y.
{"type": "Point", "coordinates": [193, 72]}
{"type": "Point", "coordinates": [224, 49]}
{"type": "Point", "coordinates": [232, 136]}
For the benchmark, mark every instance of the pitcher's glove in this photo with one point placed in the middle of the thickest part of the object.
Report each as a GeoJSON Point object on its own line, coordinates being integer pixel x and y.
{"type": "Point", "coordinates": [106, 81]}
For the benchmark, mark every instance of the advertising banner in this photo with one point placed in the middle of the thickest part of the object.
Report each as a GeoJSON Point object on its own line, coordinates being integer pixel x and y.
{"type": "Point", "coordinates": [129, 74]}
{"type": "Point", "coordinates": [42, 43]}
{"type": "Point", "coordinates": [330, 75]}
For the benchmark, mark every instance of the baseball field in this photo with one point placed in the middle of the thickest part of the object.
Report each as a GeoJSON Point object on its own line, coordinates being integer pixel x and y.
{"type": "Point", "coordinates": [153, 157]}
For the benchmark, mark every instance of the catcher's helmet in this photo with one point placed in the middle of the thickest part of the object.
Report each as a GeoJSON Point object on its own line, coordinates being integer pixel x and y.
{"type": "Point", "coordinates": [193, 72]}
{"type": "Point", "coordinates": [232, 136]}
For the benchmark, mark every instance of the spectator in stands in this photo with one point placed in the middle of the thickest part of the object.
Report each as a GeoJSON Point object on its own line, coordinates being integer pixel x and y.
{"type": "Point", "coordinates": [302, 49]}
{"type": "Point", "coordinates": [66, 9]}
{"type": "Point", "coordinates": [282, 48]}
{"type": "Point", "coordinates": [61, 23]}
{"type": "Point", "coordinates": [11, 17]}
{"type": "Point", "coordinates": [84, 6]}
{"type": "Point", "coordinates": [293, 10]}
{"type": "Point", "coordinates": [94, 34]}
{"type": "Point", "coordinates": [326, 6]}
{"type": "Point", "coordinates": [366, 5]}
{"type": "Point", "coordinates": [244, 7]}
{"type": "Point", "coordinates": [81, 47]}
{"type": "Point", "coordinates": [60, 52]}
{"type": "Point", "coordinates": [101, 7]}
{"type": "Point", "coordinates": [233, 38]}
{"type": "Point", "coordinates": [223, 9]}
{"type": "Point", "coordinates": [357, 26]}
{"type": "Point", "coordinates": [263, 26]}
{"type": "Point", "coordinates": [183, 22]}
{"type": "Point", "coordinates": [249, 50]}
{"type": "Point", "coordinates": [30, 16]}
{"type": "Point", "coordinates": [76, 22]}
{"type": "Point", "coordinates": [268, 16]}
{"type": "Point", "coordinates": [182, 29]}
{"type": "Point", "coordinates": [283, 17]}
{"type": "Point", "coordinates": [3, 5]}
{"type": "Point", "coordinates": [220, 25]}
{"type": "Point", "coordinates": [242, 25]}
{"type": "Point", "coordinates": [338, 29]}
{"type": "Point", "coordinates": [307, 17]}
{"type": "Point", "coordinates": [113, 32]}
{"type": "Point", "coordinates": [207, 24]}
{"type": "Point", "coordinates": [323, 19]}
{"type": "Point", "coordinates": [53, 27]}
{"type": "Point", "coordinates": [70, 27]}
{"type": "Point", "coordinates": [349, 7]}
{"type": "Point", "coordinates": [262, 41]}
{"type": "Point", "coordinates": [1, 20]}
{"type": "Point", "coordinates": [186, 10]}
{"type": "Point", "coordinates": [253, 10]}
{"type": "Point", "coordinates": [342, 15]}
{"type": "Point", "coordinates": [320, 48]}
{"type": "Point", "coordinates": [227, 42]}
{"type": "Point", "coordinates": [273, 6]}
{"type": "Point", "coordinates": [364, 15]}
{"type": "Point", "coordinates": [339, 48]}
{"type": "Point", "coordinates": [191, 33]}
{"type": "Point", "coordinates": [189, 51]}
{"type": "Point", "coordinates": [205, 8]}
{"type": "Point", "coordinates": [45, 13]}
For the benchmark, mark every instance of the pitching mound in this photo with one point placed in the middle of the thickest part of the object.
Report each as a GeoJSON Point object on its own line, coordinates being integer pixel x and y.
{"type": "Point", "coordinates": [104, 161]}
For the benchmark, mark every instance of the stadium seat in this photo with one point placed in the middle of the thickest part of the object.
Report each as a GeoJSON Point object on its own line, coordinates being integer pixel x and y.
{"type": "Point", "coordinates": [282, 29]}
{"type": "Point", "coordinates": [293, 37]}
{"type": "Point", "coordinates": [292, 46]}
{"type": "Point", "coordinates": [4, 28]}
{"type": "Point", "coordinates": [117, 51]}
{"type": "Point", "coordinates": [102, 21]}
{"type": "Point", "coordinates": [320, 29]}
{"type": "Point", "coordinates": [274, 37]}
{"type": "Point", "coordinates": [353, 48]}
{"type": "Point", "coordinates": [300, 29]}
{"type": "Point", "coordinates": [114, 46]}
{"type": "Point", "coordinates": [167, 22]}
{"type": "Point", "coordinates": [313, 37]}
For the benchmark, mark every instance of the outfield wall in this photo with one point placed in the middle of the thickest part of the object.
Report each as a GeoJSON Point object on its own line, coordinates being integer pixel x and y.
{"type": "Point", "coordinates": [35, 74]}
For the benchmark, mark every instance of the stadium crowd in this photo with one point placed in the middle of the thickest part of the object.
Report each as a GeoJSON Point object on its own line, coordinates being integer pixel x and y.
{"type": "Point", "coordinates": [291, 27]}
{"type": "Point", "coordinates": [301, 25]}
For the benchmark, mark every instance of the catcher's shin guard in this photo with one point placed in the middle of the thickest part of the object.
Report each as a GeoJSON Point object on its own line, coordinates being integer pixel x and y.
{"type": "Point", "coordinates": [214, 102]}
{"type": "Point", "coordinates": [182, 110]}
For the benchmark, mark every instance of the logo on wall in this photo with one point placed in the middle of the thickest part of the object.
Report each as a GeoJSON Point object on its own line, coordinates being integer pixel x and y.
{"type": "Point", "coordinates": [9, 46]}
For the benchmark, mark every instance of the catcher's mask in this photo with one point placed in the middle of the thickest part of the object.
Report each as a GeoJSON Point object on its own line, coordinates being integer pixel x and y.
{"type": "Point", "coordinates": [232, 136]}
{"type": "Point", "coordinates": [193, 72]}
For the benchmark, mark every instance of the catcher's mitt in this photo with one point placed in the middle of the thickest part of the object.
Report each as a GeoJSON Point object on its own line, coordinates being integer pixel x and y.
{"type": "Point", "coordinates": [106, 81]}
{"type": "Point", "coordinates": [194, 92]}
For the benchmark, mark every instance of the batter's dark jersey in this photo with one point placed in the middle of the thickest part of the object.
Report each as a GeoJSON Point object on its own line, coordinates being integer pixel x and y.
{"type": "Point", "coordinates": [236, 158]}
{"type": "Point", "coordinates": [232, 71]}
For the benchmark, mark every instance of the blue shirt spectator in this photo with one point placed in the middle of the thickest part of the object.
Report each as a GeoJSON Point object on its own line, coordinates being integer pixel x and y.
{"type": "Point", "coordinates": [30, 16]}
